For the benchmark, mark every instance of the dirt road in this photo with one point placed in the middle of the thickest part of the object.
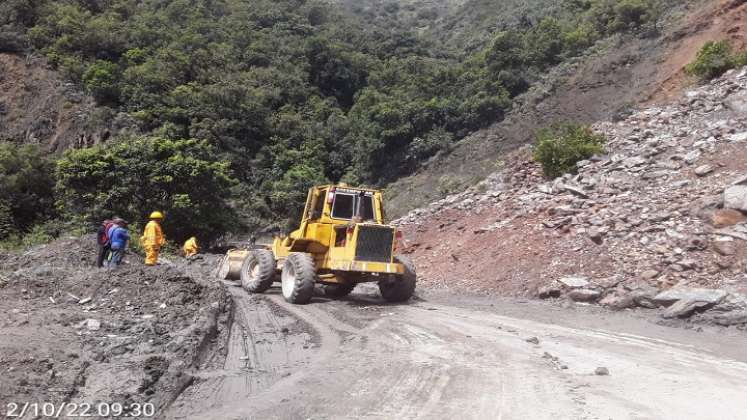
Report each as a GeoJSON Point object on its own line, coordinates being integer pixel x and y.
{"type": "Point", "coordinates": [361, 358]}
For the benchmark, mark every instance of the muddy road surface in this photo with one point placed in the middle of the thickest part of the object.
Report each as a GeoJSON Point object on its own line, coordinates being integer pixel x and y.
{"type": "Point", "coordinates": [360, 358]}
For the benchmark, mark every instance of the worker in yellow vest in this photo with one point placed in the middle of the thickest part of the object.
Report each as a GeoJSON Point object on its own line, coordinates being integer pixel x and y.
{"type": "Point", "coordinates": [152, 239]}
{"type": "Point", "coordinates": [190, 247]}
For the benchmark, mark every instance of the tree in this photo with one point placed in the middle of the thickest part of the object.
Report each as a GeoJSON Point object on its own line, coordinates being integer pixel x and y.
{"type": "Point", "coordinates": [101, 81]}
{"type": "Point", "coordinates": [183, 178]}
{"type": "Point", "coordinates": [26, 188]}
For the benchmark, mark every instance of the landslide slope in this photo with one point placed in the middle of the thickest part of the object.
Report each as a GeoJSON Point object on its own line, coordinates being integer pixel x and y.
{"type": "Point", "coordinates": [604, 84]}
{"type": "Point", "coordinates": [663, 209]}
{"type": "Point", "coordinates": [37, 106]}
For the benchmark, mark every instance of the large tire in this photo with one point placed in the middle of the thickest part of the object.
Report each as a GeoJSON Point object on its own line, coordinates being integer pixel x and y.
{"type": "Point", "coordinates": [298, 278]}
{"type": "Point", "coordinates": [338, 290]}
{"type": "Point", "coordinates": [258, 271]}
{"type": "Point", "coordinates": [399, 288]}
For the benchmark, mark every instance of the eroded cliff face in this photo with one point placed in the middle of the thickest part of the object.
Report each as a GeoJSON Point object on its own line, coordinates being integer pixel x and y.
{"type": "Point", "coordinates": [38, 106]}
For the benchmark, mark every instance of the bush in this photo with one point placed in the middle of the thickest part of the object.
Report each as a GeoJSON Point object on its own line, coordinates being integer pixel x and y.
{"type": "Point", "coordinates": [714, 59]}
{"type": "Point", "coordinates": [561, 146]}
{"type": "Point", "coordinates": [610, 16]}
{"type": "Point", "coordinates": [448, 184]}
{"type": "Point", "coordinates": [136, 176]}
{"type": "Point", "coordinates": [11, 41]}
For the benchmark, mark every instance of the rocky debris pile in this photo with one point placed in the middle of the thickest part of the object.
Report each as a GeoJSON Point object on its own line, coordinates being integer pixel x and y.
{"type": "Point", "coordinates": [128, 334]}
{"type": "Point", "coordinates": [667, 205]}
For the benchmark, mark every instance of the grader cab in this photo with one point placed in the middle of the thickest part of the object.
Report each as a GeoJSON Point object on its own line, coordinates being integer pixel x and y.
{"type": "Point", "coordinates": [341, 241]}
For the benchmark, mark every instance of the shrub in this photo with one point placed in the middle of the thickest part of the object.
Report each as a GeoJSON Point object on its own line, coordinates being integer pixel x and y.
{"type": "Point", "coordinates": [136, 176]}
{"type": "Point", "coordinates": [610, 16]}
{"type": "Point", "coordinates": [714, 59]}
{"type": "Point", "coordinates": [10, 41]}
{"type": "Point", "coordinates": [430, 144]}
{"type": "Point", "coordinates": [561, 146]}
{"type": "Point", "coordinates": [448, 184]}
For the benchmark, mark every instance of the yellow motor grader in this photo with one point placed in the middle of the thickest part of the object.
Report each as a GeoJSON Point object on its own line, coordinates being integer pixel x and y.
{"type": "Point", "coordinates": [342, 241]}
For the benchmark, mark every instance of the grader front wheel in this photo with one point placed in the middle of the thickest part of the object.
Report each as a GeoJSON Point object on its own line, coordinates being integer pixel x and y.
{"type": "Point", "coordinates": [298, 278]}
{"type": "Point", "coordinates": [258, 271]}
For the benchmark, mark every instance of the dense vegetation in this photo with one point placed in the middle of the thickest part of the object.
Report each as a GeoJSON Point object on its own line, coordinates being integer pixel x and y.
{"type": "Point", "coordinates": [562, 145]}
{"type": "Point", "coordinates": [26, 189]}
{"type": "Point", "coordinates": [714, 59]}
{"type": "Point", "coordinates": [289, 92]}
{"type": "Point", "coordinates": [136, 176]}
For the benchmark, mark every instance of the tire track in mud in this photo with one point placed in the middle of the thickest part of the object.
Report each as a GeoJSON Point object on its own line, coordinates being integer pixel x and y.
{"type": "Point", "coordinates": [386, 366]}
{"type": "Point", "coordinates": [365, 359]}
{"type": "Point", "coordinates": [266, 344]}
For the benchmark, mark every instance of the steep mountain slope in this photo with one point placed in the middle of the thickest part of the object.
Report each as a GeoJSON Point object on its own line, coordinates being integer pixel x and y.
{"type": "Point", "coordinates": [461, 26]}
{"type": "Point", "coordinates": [717, 20]}
{"type": "Point", "coordinates": [37, 106]}
{"type": "Point", "coordinates": [616, 75]}
{"type": "Point", "coordinates": [666, 207]}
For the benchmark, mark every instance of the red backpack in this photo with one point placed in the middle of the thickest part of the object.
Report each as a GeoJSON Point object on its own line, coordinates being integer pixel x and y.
{"type": "Point", "coordinates": [105, 234]}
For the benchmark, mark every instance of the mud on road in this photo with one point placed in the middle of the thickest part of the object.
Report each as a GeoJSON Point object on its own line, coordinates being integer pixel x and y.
{"type": "Point", "coordinates": [72, 333]}
{"type": "Point", "coordinates": [197, 348]}
{"type": "Point", "coordinates": [461, 358]}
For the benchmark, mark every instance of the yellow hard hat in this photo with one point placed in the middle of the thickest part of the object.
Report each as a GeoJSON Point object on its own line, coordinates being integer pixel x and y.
{"type": "Point", "coordinates": [156, 215]}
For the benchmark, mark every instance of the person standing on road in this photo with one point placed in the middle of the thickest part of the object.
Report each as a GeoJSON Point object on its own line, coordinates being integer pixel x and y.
{"type": "Point", "coordinates": [102, 238]}
{"type": "Point", "coordinates": [152, 239]}
{"type": "Point", "coordinates": [119, 238]}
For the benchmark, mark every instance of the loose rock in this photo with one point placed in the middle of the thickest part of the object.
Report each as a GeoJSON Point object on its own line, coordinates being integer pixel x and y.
{"type": "Point", "coordinates": [574, 282]}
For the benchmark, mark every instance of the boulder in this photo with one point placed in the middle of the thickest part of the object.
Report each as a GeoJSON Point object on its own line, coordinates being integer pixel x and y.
{"type": "Point", "coordinates": [601, 371]}
{"type": "Point", "coordinates": [727, 217]}
{"type": "Point", "coordinates": [93, 324]}
{"type": "Point", "coordinates": [731, 318]}
{"type": "Point", "coordinates": [692, 157]}
{"type": "Point", "coordinates": [725, 248]}
{"type": "Point", "coordinates": [649, 274]}
{"type": "Point", "coordinates": [584, 295]}
{"type": "Point", "coordinates": [596, 235]}
{"type": "Point", "coordinates": [634, 161]}
{"type": "Point", "coordinates": [703, 170]}
{"type": "Point", "coordinates": [737, 102]}
{"type": "Point", "coordinates": [574, 282]}
{"type": "Point", "coordinates": [576, 191]}
{"type": "Point", "coordinates": [735, 197]}
{"type": "Point", "coordinates": [618, 301]}
{"type": "Point", "coordinates": [548, 292]}
{"type": "Point", "coordinates": [686, 307]}
{"type": "Point", "coordinates": [671, 296]}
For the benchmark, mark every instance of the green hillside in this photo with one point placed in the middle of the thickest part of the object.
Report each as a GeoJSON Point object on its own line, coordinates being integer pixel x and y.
{"type": "Point", "coordinates": [293, 93]}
